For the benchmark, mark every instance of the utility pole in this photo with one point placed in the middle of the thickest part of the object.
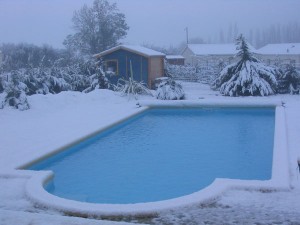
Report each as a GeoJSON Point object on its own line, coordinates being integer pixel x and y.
{"type": "Point", "coordinates": [187, 35]}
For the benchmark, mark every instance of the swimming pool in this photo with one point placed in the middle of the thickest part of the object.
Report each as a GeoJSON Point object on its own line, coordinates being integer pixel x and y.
{"type": "Point", "coordinates": [165, 153]}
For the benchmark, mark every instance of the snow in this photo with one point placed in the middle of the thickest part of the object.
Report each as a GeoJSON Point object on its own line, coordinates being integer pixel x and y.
{"type": "Point", "coordinates": [54, 121]}
{"type": "Point", "coordinates": [215, 49]}
{"type": "Point", "coordinates": [174, 57]}
{"type": "Point", "coordinates": [36, 129]}
{"type": "Point", "coordinates": [133, 48]}
{"type": "Point", "coordinates": [280, 49]}
{"type": "Point", "coordinates": [239, 207]}
{"type": "Point", "coordinates": [38, 219]}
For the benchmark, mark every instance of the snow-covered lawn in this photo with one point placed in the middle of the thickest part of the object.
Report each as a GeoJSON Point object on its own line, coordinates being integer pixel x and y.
{"type": "Point", "coordinates": [58, 120]}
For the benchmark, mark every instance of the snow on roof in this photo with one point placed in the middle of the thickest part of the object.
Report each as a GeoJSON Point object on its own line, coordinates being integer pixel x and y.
{"type": "Point", "coordinates": [174, 57]}
{"type": "Point", "coordinates": [215, 49]}
{"type": "Point", "coordinates": [280, 49]}
{"type": "Point", "coordinates": [147, 52]}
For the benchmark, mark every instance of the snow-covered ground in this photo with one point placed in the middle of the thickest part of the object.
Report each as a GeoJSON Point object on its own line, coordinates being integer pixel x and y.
{"type": "Point", "coordinates": [58, 120]}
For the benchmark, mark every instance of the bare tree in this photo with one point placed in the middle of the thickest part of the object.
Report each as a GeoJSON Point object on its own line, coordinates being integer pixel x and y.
{"type": "Point", "coordinates": [97, 28]}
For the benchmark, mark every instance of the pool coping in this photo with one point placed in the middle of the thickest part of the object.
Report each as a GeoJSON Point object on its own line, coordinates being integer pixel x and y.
{"type": "Point", "coordinates": [280, 173]}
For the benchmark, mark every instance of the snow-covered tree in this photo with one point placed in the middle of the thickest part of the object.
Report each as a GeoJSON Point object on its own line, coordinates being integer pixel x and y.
{"type": "Point", "coordinates": [248, 76]}
{"type": "Point", "coordinates": [170, 90]}
{"type": "Point", "coordinates": [3, 83]}
{"type": "Point", "coordinates": [289, 81]}
{"type": "Point", "coordinates": [98, 80]}
{"type": "Point", "coordinates": [20, 56]}
{"type": "Point", "coordinates": [17, 99]}
{"type": "Point", "coordinates": [34, 83]}
{"type": "Point", "coordinates": [97, 28]}
{"type": "Point", "coordinates": [84, 74]}
{"type": "Point", "coordinates": [15, 94]}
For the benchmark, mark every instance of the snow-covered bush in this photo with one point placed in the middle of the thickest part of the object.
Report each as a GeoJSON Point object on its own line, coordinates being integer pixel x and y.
{"type": "Point", "coordinates": [39, 81]}
{"type": "Point", "coordinates": [15, 94]}
{"type": "Point", "coordinates": [88, 75]}
{"type": "Point", "coordinates": [85, 75]}
{"type": "Point", "coordinates": [57, 84]}
{"type": "Point", "coordinates": [77, 77]}
{"type": "Point", "coordinates": [131, 87]}
{"type": "Point", "coordinates": [17, 99]}
{"type": "Point", "coordinates": [246, 77]}
{"type": "Point", "coordinates": [97, 81]}
{"type": "Point", "coordinates": [33, 83]}
{"type": "Point", "coordinates": [3, 82]}
{"type": "Point", "coordinates": [288, 82]}
{"type": "Point", "coordinates": [170, 90]}
{"type": "Point", "coordinates": [80, 82]}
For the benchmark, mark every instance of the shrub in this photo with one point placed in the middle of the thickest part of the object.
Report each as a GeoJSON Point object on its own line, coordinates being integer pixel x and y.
{"type": "Point", "coordinates": [131, 87]}
{"type": "Point", "coordinates": [16, 98]}
{"type": "Point", "coordinates": [170, 90]}
{"type": "Point", "coordinates": [97, 81]}
{"type": "Point", "coordinates": [289, 81]}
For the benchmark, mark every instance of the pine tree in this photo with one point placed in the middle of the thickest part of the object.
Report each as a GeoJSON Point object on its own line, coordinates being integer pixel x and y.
{"type": "Point", "coordinates": [246, 77]}
{"type": "Point", "coordinates": [15, 94]}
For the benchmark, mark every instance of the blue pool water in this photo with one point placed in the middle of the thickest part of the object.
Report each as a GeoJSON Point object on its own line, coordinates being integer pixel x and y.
{"type": "Point", "coordinates": [165, 153]}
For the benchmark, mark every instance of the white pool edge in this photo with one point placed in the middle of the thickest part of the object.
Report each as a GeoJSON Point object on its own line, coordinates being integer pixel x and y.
{"type": "Point", "coordinates": [280, 177]}
{"type": "Point", "coordinates": [84, 137]}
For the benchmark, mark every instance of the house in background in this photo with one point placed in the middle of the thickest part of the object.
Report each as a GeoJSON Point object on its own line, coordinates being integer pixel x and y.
{"type": "Point", "coordinates": [205, 55]}
{"type": "Point", "coordinates": [210, 55]}
{"type": "Point", "coordinates": [146, 64]}
{"type": "Point", "coordinates": [175, 59]}
{"type": "Point", "coordinates": [276, 54]}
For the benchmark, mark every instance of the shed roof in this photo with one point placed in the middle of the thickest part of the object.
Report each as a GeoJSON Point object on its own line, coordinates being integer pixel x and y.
{"type": "Point", "coordinates": [280, 49]}
{"type": "Point", "coordinates": [215, 49]}
{"type": "Point", "coordinates": [147, 52]}
{"type": "Point", "coordinates": [174, 57]}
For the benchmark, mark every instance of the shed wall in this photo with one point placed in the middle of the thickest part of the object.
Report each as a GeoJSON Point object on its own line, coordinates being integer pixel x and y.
{"type": "Point", "coordinates": [156, 69]}
{"type": "Point", "coordinates": [125, 58]}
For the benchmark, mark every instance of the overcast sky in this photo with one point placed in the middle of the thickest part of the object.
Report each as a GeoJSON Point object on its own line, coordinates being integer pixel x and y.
{"type": "Point", "coordinates": [158, 22]}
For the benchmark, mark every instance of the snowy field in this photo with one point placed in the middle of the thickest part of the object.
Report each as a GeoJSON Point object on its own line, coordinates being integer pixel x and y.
{"type": "Point", "coordinates": [57, 120]}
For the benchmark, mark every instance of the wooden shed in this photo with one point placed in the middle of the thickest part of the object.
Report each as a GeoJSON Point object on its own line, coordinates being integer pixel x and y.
{"type": "Point", "coordinates": [146, 64]}
{"type": "Point", "coordinates": [175, 60]}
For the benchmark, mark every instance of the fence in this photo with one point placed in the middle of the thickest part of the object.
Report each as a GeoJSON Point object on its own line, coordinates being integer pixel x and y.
{"type": "Point", "coordinates": [203, 74]}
